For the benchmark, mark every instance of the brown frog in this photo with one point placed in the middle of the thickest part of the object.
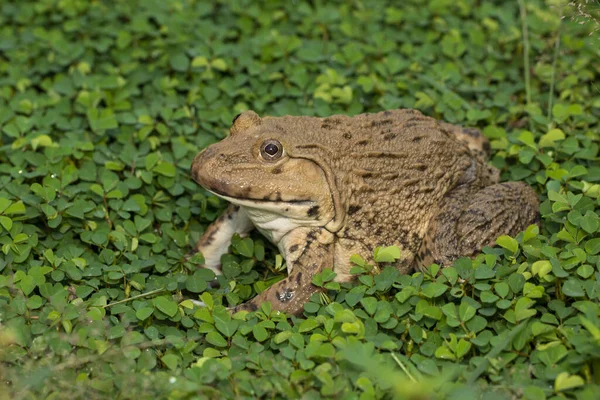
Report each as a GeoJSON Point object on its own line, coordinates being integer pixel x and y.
{"type": "Point", "coordinates": [323, 189]}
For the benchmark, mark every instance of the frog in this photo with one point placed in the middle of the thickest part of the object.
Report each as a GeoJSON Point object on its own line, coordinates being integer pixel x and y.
{"type": "Point", "coordinates": [323, 189]}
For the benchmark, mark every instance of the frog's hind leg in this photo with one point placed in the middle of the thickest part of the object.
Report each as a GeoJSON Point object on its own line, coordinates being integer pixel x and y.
{"type": "Point", "coordinates": [467, 221]}
{"type": "Point", "coordinates": [215, 241]}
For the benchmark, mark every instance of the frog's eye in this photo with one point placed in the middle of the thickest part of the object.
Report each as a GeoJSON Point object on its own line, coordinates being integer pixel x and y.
{"type": "Point", "coordinates": [271, 150]}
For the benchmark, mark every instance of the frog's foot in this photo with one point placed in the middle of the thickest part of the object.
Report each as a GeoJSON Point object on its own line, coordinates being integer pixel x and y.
{"type": "Point", "coordinates": [465, 224]}
{"type": "Point", "coordinates": [216, 239]}
{"type": "Point", "coordinates": [288, 295]}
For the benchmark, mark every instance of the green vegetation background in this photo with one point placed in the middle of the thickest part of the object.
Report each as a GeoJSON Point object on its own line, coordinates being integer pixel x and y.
{"type": "Point", "coordinates": [103, 105]}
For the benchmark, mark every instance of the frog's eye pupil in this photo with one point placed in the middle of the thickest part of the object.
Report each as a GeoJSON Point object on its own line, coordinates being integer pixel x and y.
{"type": "Point", "coordinates": [271, 149]}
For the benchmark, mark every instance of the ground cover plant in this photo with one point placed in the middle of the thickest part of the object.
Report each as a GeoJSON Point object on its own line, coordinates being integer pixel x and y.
{"type": "Point", "coordinates": [103, 105]}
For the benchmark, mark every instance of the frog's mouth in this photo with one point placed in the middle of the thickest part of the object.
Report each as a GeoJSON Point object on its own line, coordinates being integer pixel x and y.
{"type": "Point", "coordinates": [276, 218]}
{"type": "Point", "coordinates": [271, 198]}
{"type": "Point", "coordinates": [292, 208]}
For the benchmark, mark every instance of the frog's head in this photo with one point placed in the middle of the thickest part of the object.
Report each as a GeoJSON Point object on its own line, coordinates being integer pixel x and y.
{"type": "Point", "coordinates": [264, 164]}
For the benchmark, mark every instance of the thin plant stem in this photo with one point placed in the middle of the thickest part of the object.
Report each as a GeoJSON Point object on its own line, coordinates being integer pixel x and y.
{"type": "Point", "coordinates": [526, 71]}
{"type": "Point", "coordinates": [135, 297]}
{"type": "Point", "coordinates": [406, 371]}
{"type": "Point", "coordinates": [553, 73]}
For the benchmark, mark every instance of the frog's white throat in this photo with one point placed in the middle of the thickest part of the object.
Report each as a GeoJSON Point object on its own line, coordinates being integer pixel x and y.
{"type": "Point", "coordinates": [275, 219]}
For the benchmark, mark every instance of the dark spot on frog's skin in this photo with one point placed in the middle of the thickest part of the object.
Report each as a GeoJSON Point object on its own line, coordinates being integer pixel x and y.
{"type": "Point", "coordinates": [313, 211]}
{"type": "Point", "coordinates": [293, 248]}
{"type": "Point", "coordinates": [440, 236]}
{"type": "Point", "coordinates": [307, 146]}
{"type": "Point", "coordinates": [352, 209]}
{"type": "Point", "coordinates": [273, 197]}
{"type": "Point", "coordinates": [245, 193]}
{"type": "Point", "coordinates": [417, 139]}
{"type": "Point", "coordinates": [363, 142]}
{"type": "Point", "coordinates": [412, 122]}
{"type": "Point", "coordinates": [311, 236]}
{"type": "Point", "coordinates": [404, 239]}
{"type": "Point", "coordinates": [381, 122]}
{"type": "Point", "coordinates": [384, 154]}
{"type": "Point", "coordinates": [285, 296]}
{"type": "Point", "coordinates": [235, 118]}
{"type": "Point", "coordinates": [277, 170]}
{"type": "Point", "coordinates": [209, 239]}
{"type": "Point", "coordinates": [299, 278]}
{"type": "Point", "coordinates": [252, 307]}
{"type": "Point", "coordinates": [472, 132]}
{"type": "Point", "coordinates": [387, 113]}
{"type": "Point", "coordinates": [347, 135]}
{"type": "Point", "coordinates": [329, 123]}
{"type": "Point", "coordinates": [332, 121]}
{"type": "Point", "coordinates": [415, 239]}
{"type": "Point", "coordinates": [389, 136]}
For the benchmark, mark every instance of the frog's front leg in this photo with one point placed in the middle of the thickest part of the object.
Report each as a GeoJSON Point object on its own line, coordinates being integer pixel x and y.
{"type": "Point", "coordinates": [308, 251]}
{"type": "Point", "coordinates": [215, 241]}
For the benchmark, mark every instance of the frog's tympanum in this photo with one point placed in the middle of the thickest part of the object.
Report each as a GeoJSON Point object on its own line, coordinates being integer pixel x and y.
{"type": "Point", "coordinates": [323, 189]}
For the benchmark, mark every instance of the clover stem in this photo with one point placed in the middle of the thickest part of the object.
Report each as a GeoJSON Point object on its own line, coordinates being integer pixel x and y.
{"type": "Point", "coordinates": [401, 364]}
{"type": "Point", "coordinates": [135, 297]}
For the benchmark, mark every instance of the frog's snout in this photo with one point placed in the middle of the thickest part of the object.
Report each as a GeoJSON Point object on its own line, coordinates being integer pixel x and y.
{"type": "Point", "coordinates": [198, 162]}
